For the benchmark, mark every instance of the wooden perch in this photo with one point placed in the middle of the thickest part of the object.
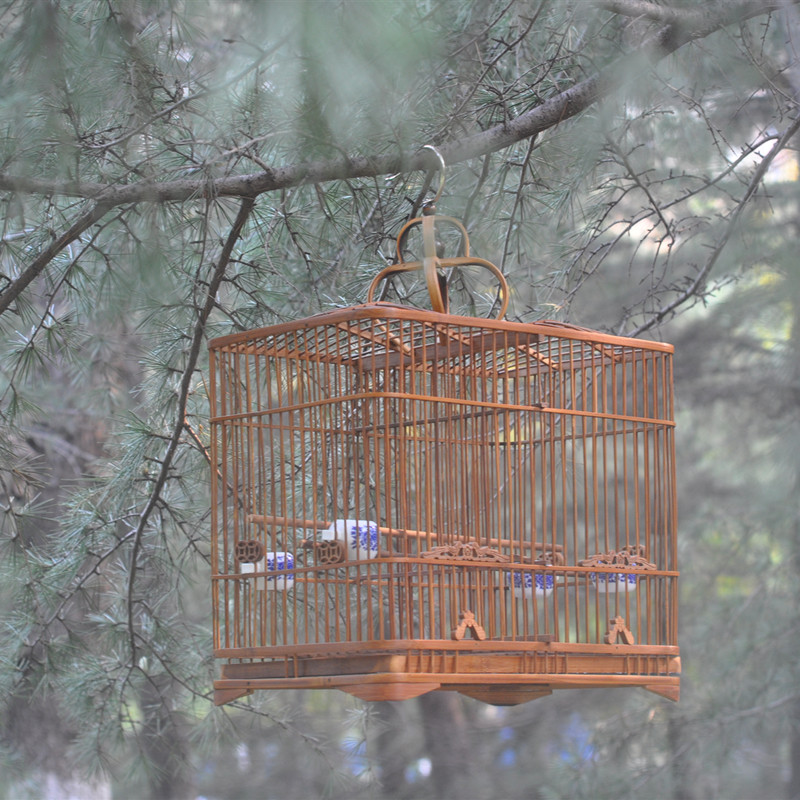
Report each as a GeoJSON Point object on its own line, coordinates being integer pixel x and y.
{"type": "Point", "coordinates": [317, 525]}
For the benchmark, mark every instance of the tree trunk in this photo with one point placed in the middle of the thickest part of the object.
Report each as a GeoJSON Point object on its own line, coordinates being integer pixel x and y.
{"type": "Point", "coordinates": [163, 742]}
{"type": "Point", "coordinates": [447, 742]}
{"type": "Point", "coordinates": [684, 784]}
{"type": "Point", "coordinates": [389, 752]}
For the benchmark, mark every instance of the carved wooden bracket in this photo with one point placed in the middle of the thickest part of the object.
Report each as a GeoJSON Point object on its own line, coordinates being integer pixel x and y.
{"type": "Point", "coordinates": [466, 551]}
{"type": "Point", "coordinates": [468, 623]}
{"type": "Point", "coordinates": [549, 558]}
{"type": "Point", "coordinates": [618, 630]}
{"type": "Point", "coordinates": [631, 556]}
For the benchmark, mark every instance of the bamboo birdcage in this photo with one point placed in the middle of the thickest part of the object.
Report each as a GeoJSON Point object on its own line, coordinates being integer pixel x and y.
{"type": "Point", "coordinates": [407, 500]}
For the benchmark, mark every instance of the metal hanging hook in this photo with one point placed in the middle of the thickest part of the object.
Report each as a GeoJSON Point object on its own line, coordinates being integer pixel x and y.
{"type": "Point", "coordinates": [433, 260]}
{"type": "Point", "coordinates": [440, 158]}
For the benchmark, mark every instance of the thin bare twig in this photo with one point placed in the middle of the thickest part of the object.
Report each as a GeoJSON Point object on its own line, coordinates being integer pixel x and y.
{"type": "Point", "coordinates": [694, 287]}
{"type": "Point", "coordinates": [245, 210]}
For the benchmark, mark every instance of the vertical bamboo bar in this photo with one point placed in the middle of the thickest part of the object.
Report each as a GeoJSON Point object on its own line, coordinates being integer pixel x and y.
{"type": "Point", "coordinates": [215, 491]}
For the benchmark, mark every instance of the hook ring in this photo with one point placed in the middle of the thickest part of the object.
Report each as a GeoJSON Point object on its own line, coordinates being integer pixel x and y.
{"type": "Point", "coordinates": [440, 158]}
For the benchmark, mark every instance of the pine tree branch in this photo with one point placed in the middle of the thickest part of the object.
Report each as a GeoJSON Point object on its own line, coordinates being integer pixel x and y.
{"type": "Point", "coordinates": [245, 210]}
{"type": "Point", "coordinates": [13, 290]}
{"type": "Point", "coordinates": [691, 24]}
{"type": "Point", "coordinates": [190, 98]}
{"type": "Point", "coordinates": [683, 26]}
{"type": "Point", "coordinates": [57, 614]}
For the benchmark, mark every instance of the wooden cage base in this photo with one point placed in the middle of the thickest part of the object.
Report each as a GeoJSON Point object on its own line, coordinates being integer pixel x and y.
{"type": "Point", "coordinates": [499, 678]}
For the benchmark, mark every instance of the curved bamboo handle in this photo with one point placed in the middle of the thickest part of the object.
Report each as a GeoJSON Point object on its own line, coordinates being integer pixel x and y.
{"type": "Point", "coordinates": [431, 263]}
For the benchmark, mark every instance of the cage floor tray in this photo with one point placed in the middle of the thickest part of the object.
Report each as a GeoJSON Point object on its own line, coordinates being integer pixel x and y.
{"type": "Point", "coordinates": [507, 676]}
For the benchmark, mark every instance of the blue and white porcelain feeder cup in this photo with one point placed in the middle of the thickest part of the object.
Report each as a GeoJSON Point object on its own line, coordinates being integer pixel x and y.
{"type": "Point", "coordinates": [613, 582]}
{"type": "Point", "coordinates": [361, 537]}
{"type": "Point", "coordinates": [526, 584]}
{"type": "Point", "coordinates": [278, 562]}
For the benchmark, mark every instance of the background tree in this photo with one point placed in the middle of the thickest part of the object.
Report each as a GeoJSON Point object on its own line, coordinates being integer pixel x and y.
{"type": "Point", "coordinates": [171, 171]}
